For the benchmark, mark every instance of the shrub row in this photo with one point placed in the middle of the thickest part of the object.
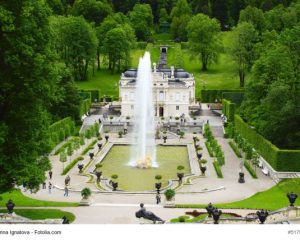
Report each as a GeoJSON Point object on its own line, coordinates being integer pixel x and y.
{"type": "Point", "coordinates": [60, 130]}
{"type": "Point", "coordinates": [213, 144]}
{"type": "Point", "coordinates": [67, 144]}
{"type": "Point", "coordinates": [235, 149]}
{"type": "Point", "coordinates": [250, 169]}
{"type": "Point", "coordinates": [209, 96]}
{"type": "Point", "coordinates": [279, 159]}
{"type": "Point", "coordinates": [89, 147]}
{"type": "Point", "coordinates": [218, 169]}
{"type": "Point", "coordinates": [71, 165]}
{"type": "Point", "coordinates": [210, 151]}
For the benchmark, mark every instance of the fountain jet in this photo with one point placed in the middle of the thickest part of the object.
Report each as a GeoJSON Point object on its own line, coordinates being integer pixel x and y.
{"type": "Point", "coordinates": [144, 151]}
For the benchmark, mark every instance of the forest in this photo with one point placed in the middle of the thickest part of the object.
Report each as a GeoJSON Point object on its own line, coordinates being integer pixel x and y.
{"type": "Point", "coordinates": [48, 45]}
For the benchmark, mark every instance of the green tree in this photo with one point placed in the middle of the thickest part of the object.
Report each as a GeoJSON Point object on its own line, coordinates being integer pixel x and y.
{"type": "Point", "coordinates": [163, 16]}
{"type": "Point", "coordinates": [180, 15]}
{"type": "Point", "coordinates": [69, 101]}
{"type": "Point", "coordinates": [141, 19]}
{"type": "Point", "coordinates": [63, 158]}
{"type": "Point", "coordinates": [242, 48]}
{"type": "Point", "coordinates": [92, 10]}
{"type": "Point", "coordinates": [109, 23]}
{"type": "Point", "coordinates": [28, 85]}
{"type": "Point", "coordinates": [70, 150]}
{"type": "Point", "coordinates": [76, 42]}
{"type": "Point", "coordinates": [57, 6]}
{"type": "Point", "coordinates": [272, 99]}
{"type": "Point", "coordinates": [254, 16]}
{"type": "Point", "coordinates": [281, 18]}
{"type": "Point", "coordinates": [204, 38]}
{"type": "Point", "coordinates": [117, 47]}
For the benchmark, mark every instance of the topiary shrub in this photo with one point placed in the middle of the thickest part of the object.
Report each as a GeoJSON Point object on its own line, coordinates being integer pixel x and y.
{"type": "Point", "coordinates": [158, 177]}
{"type": "Point", "coordinates": [170, 194]}
{"type": "Point", "coordinates": [86, 193]}
{"type": "Point", "coordinates": [180, 168]}
{"type": "Point", "coordinates": [114, 176]}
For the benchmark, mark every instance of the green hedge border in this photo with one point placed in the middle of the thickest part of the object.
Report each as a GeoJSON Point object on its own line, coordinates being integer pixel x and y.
{"type": "Point", "coordinates": [250, 169]}
{"type": "Point", "coordinates": [61, 130]}
{"type": "Point", "coordinates": [218, 169]}
{"type": "Point", "coordinates": [209, 150]}
{"type": "Point", "coordinates": [209, 96]}
{"type": "Point", "coordinates": [228, 109]}
{"type": "Point", "coordinates": [280, 159]}
{"type": "Point", "coordinates": [235, 149]}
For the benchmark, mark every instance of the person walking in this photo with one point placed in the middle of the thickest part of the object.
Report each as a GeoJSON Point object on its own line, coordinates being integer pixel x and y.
{"type": "Point", "coordinates": [158, 198]}
{"type": "Point", "coordinates": [67, 180]}
{"type": "Point", "coordinates": [50, 174]}
{"type": "Point", "coordinates": [66, 191]}
{"type": "Point", "coordinates": [50, 187]}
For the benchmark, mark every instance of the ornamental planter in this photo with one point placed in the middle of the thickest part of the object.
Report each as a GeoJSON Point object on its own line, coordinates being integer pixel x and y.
{"type": "Point", "coordinates": [86, 201]}
{"type": "Point", "coordinates": [114, 185]}
{"type": "Point", "coordinates": [241, 177]}
{"type": "Point", "coordinates": [203, 170]}
{"type": "Point", "coordinates": [180, 177]}
{"type": "Point", "coordinates": [158, 187]}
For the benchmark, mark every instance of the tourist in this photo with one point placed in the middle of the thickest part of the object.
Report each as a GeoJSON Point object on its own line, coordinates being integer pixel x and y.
{"type": "Point", "coordinates": [50, 187]}
{"type": "Point", "coordinates": [158, 198]}
{"type": "Point", "coordinates": [66, 191]}
{"type": "Point", "coordinates": [67, 180]}
{"type": "Point", "coordinates": [50, 174]}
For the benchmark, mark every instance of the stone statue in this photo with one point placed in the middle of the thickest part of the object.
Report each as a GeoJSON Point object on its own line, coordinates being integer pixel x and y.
{"type": "Point", "coordinates": [142, 213]}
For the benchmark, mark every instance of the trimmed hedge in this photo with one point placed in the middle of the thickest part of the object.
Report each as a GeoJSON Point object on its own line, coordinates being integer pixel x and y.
{"type": "Point", "coordinates": [60, 130]}
{"type": "Point", "coordinates": [85, 106]}
{"type": "Point", "coordinates": [210, 151]}
{"type": "Point", "coordinates": [91, 94]}
{"type": "Point", "coordinates": [228, 109]}
{"type": "Point", "coordinates": [235, 149]}
{"type": "Point", "coordinates": [250, 169]}
{"type": "Point", "coordinates": [234, 97]}
{"type": "Point", "coordinates": [89, 147]}
{"type": "Point", "coordinates": [209, 96]}
{"type": "Point", "coordinates": [218, 169]}
{"type": "Point", "coordinates": [71, 165]}
{"type": "Point", "coordinates": [279, 159]}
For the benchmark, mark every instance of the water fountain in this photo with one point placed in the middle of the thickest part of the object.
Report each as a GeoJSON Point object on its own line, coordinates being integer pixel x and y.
{"type": "Point", "coordinates": [144, 151]}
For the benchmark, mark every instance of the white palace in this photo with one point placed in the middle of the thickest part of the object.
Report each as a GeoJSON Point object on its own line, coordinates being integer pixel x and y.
{"type": "Point", "coordinates": [173, 91]}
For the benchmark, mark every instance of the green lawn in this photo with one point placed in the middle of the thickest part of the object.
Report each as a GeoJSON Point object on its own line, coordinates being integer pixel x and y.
{"type": "Point", "coordinates": [22, 201]}
{"type": "Point", "coordinates": [272, 199]}
{"type": "Point", "coordinates": [135, 179]}
{"type": "Point", "coordinates": [41, 214]}
{"type": "Point", "coordinates": [103, 81]}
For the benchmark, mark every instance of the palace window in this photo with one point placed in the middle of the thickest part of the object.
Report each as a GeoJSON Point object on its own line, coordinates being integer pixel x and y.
{"type": "Point", "coordinates": [161, 96]}
{"type": "Point", "coordinates": [177, 107]}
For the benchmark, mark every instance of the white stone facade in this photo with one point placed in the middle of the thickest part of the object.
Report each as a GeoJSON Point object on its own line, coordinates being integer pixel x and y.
{"type": "Point", "coordinates": [173, 92]}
